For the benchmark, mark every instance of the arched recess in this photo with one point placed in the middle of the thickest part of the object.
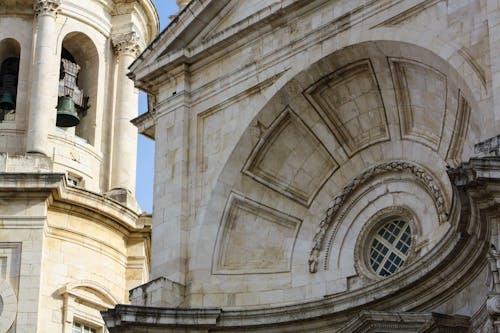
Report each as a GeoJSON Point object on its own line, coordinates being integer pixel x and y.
{"type": "Point", "coordinates": [10, 55]}
{"type": "Point", "coordinates": [368, 76]}
{"type": "Point", "coordinates": [80, 49]}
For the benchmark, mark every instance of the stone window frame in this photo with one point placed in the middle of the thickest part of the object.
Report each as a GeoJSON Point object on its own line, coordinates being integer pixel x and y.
{"type": "Point", "coordinates": [86, 327]}
{"type": "Point", "coordinates": [390, 246]}
{"type": "Point", "coordinates": [74, 180]}
{"type": "Point", "coordinates": [77, 304]}
{"type": "Point", "coordinates": [368, 232]}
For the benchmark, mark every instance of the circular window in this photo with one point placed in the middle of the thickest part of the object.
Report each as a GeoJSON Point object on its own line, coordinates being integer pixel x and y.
{"type": "Point", "coordinates": [390, 247]}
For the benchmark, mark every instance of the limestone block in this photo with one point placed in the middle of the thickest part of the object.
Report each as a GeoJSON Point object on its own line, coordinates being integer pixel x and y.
{"type": "Point", "coordinates": [160, 292]}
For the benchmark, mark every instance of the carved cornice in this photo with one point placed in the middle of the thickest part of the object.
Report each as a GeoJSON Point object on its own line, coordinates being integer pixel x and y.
{"type": "Point", "coordinates": [126, 44]}
{"type": "Point", "coordinates": [47, 7]}
{"type": "Point", "coordinates": [336, 204]}
{"type": "Point", "coordinates": [376, 321]}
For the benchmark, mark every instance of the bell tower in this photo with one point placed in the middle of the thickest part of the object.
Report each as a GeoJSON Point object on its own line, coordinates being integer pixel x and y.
{"type": "Point", "coordinates": [73, 239]}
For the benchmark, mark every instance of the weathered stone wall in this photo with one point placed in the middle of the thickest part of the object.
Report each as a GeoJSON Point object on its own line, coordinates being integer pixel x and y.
{"type": "Point", "coordinates": [279, 110]}
{"type": "Point", "coordinates": [92, 35]}
{"type": "Point", "coordinates": [69, 246]}
{"type": "Point", "coordinates": [292, 136]}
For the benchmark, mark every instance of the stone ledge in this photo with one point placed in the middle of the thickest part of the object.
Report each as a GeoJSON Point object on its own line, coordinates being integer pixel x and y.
{"type": "Point", "coordinates": [123, 315]}
{"type": "Point", "coordinates": [378, 321]}
{"type": "Point", "coordinates": [29, 163]}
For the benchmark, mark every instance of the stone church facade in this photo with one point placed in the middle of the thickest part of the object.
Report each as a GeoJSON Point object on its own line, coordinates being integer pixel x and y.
{"type": "Point", "coordinates": [322, 166]}
{"type": "Point", "coordinates": [73, 240]}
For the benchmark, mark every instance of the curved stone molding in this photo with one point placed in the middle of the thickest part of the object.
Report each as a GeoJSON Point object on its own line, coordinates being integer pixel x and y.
{"type": "Point", "coordinates": [350, 101]}
{"type": "Point", "coordinates": [395, 166]}
{"type": "Point", "coordinates": [459, 131]}
{"type": "Point", "coordinates": [46, 7]}
{"type": "Point", "coordinates": [254, 238]}
{"type": "Point", "coordinates": [421, 93]}
{"type": "Point", "coordinates": [290, 159]}
{"type": "Point", "coordinates": [9, 306]}
{"type": "Point", "coordinates": [126, 43]}
{"type": "Point", "coordinates": [449, 268]}
{"type": "Point", "coordinates": [378, 321]}
{"type": "Point", "coordinates": [90, 292]}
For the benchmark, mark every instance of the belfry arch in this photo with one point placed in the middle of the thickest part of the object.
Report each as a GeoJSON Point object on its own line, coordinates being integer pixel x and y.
{"type": "Point", "coordinates": [81, 50]}
{"type": "Point", "coordinates": [10, 55]}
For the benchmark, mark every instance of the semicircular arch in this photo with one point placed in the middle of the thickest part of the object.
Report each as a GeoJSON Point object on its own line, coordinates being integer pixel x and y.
{"type": "Point", "coordinates": [372, 64]}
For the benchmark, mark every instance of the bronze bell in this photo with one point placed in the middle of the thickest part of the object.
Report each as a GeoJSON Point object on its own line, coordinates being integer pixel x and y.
{"type": "Point", "coordinates": [8, 84]}
{"type": "Point", "coordinates": [66, 113]}
{"type": "Point", "coordinates": [7, 101]}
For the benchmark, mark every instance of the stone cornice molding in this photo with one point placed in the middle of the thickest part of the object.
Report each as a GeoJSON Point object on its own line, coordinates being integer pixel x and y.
{"type": "Point", "coordinates": [63, 197]}
{"type": "Point", "coordinates": [375, 321]}
{"type": "Point", "coordinates": [126, 44]}
{"type": "Point", "coordinates": [104, 299]}
{"type": "Point", "coordinates": [166, 316]}
{"type": "Point", "coordinates": [47, 7]}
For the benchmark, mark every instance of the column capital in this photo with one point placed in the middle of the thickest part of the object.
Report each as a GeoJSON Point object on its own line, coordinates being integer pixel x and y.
{"type": "Point", "coordinates": [47, 7]}
{"type": "Point", "coordinates": [126, 43]}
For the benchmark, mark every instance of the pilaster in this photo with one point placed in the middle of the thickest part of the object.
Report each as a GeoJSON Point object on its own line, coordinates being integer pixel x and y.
{"type": "Point", "coordinates": [171, 190]}
{"type": "Point", "coordinates": [123, 167]}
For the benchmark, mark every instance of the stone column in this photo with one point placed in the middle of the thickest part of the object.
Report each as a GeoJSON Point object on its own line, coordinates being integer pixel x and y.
{"type": "Point", "coordinates": [43, 99]}
{"type": "Point", "coordinates": [127, 100]}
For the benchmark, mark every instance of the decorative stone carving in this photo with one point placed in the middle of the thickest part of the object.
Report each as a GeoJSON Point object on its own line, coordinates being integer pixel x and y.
{"type": "Point", "coordinates": [350, 101]}
{"type": "Point", "coordinates": [459, 131]}
{"type": "Point", "coordinates": [254, 238]}
{"type": "Point", "coordinates": [489, 147]}
{"type": "Point", "coordinates": [126, 44]}
{"type": "Point", "coordinates": [47, 7]}
{"type": "Point", "coordinates": [378, 321]}
{"type": "Point", "coordinates": [493, 302]}
{"type": "Point", "coordinates": [290, 159]}
{"type": "Point", "coordinates": [421, 119]}
{"type": "Point", "coordinates": [395, 166]}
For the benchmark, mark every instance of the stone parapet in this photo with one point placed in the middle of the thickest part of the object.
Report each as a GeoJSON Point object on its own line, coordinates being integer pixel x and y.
{"type": "Point", "coordinates": [159, 292]}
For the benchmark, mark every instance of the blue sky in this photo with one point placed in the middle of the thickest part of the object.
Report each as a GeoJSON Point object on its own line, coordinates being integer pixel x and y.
{"type": "Point", "coordinates": [146, 147]}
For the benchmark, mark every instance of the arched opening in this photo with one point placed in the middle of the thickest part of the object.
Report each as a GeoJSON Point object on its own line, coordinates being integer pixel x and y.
{"type": "Point", "coordinates": [78, 80]}
{"type": "Point", "coordinates": [10, 52]}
